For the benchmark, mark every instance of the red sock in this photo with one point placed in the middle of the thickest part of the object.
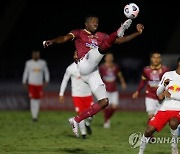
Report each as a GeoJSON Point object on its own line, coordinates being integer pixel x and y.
{"type": "Point", "coordinates": [108, 112]}
{"type": "Point", "coordinates": [108, 42]}
{"type": "Point", "coordinates": [111, 112]}
{"type": "Point", "coordinates": [88, 113]}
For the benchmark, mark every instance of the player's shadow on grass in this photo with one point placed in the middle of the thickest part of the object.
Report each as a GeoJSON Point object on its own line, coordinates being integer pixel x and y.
{"type": "Point", "coordinates": [73, 150]}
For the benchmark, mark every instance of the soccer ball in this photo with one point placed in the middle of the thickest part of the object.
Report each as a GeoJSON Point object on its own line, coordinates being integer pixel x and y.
{"type": "Point", "coordinates": [131, 10]}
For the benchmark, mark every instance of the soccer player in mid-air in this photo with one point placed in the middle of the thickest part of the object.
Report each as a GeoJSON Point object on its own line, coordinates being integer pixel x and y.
{"type": "Point", "coordinates": [91, 46]}
{"type": "Point", "coordinates": [81, 95]}
{"type": "Point", "coordinates": [169, 87]}
{"type": "Point", "coordinates": [150, 79]}
{"type": "Point", "coordinates": [35, 72]}
{"type": "Point", "coordinates": [110, 73]}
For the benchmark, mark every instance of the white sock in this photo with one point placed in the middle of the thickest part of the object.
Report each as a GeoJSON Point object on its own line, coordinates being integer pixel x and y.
{"type": "Point", "coordinates": [82, 127]}
{"type": "Point", "coordinates": [88, 121]}
{"type": "Point", "coordinates": [144, 141]}
{"type": "Point", "coordinates": [34, 105]}
{"type": "Point", "coordinates": [174, 140]}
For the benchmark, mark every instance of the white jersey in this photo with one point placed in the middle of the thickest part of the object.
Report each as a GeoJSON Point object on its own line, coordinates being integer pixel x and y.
{"type": "Point", "coordinates": [78, 86]}
{"type": "Point", "coordinates": [35, 72]}
{"type": "Point", "coordinates": [172, 103]}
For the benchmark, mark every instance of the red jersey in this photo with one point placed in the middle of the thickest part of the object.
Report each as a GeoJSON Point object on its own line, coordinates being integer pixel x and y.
{"type": "Point", "coordinates": [84, 40]}
{"type": "Point", "coordinates": [109, 76]}
{"type": "Point", "coordinates": [151, 77]}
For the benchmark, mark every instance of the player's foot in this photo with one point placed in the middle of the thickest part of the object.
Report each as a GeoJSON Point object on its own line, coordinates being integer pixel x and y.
{"type": "Point", "coordinates": [74, 126]}
{"type": "Point", "coordinates": [88, 129]}
{"type": "Point", "coordinates": [83, 136]}
{"type": "Point", "coordinates": [107, 124]}
{"type": "Point", "coordinates": [35, 120]}
{"type": "Point", "coordinates": [124, 26]}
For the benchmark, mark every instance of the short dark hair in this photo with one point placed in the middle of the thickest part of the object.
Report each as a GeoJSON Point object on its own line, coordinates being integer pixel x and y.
{"type": "Point", "coordinates": [154, 52]}
{"type": "Point", "coordinates": [90, 16]}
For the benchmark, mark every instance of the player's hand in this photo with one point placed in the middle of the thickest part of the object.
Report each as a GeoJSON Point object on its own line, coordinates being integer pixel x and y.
{"type": "Point", "coordinates": [161, 96]}
{"type": "Point", "coordinates": [140, 28]}
{"type": "Point", "coordinates": [61, 99]}
{"type": "Point", "coordinates": [166, 82]}
{"type": "Point", "coordinates": [47, 43]}
{"type": "Point", "coordinates": [135, 95]}
{"type": "Point", "coordinates": [25, 86]}
{"type": "Point", "coordinates": [124, 86]}
{"type": "Point", "coordinates": [167, 93]}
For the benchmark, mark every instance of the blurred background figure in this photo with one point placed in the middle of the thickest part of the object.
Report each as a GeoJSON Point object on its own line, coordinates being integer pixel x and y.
{"type": "Point", "coordinates": [110, 73]}
{"type": "Point", "coordinates": [151, 76]}
{"type": "Point", "coordinates": [81, 95]}
{"type": "Point", "coordinates": [35, 77]}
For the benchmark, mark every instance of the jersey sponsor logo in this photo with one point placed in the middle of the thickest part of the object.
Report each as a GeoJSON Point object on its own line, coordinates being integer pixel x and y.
{"type": "Point", "coordinates": [174, 88]}
{"type": "Point", "coordinates": [93, 44]}
{"type": "Point", "coordinates": [36, 70]}
{"type": "Point", "coordinates": [153, 83]}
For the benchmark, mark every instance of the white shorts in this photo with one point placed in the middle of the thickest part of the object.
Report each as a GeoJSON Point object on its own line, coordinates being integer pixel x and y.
{"type": "Point", "coordinates": [113, 98]}
{"type": "Point", "coordinates": [88, 69]}
{"type": "Point", "coordinates": [152, 105]}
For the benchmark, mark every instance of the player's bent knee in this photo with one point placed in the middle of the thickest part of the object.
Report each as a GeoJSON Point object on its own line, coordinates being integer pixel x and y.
{"type": "Point", "coordinates": [149, 131]}
{"type": "Point", "coordinates": [104, 102]}
{"type": "Point", "coordinates": [173, 123]}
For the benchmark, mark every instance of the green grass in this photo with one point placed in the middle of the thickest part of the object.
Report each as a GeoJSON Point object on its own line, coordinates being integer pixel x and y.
{"type": "Point", "coordinates": [53, 135]}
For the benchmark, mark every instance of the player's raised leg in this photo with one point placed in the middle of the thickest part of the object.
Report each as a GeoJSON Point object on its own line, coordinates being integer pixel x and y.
{"type": "Point", "coordinates": [112, 37]}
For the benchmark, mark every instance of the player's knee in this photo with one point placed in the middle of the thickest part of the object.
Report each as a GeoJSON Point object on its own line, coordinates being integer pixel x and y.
{"type": "Point", "coordinates": [149, 131]}
{"type": "Point", "coordinates": [173, 123]}
{"type": "Point", "coordinates": [104, 102]}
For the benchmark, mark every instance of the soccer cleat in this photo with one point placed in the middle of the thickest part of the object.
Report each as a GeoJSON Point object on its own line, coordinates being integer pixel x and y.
{"type": "Point", "coordinates": [124, 26]}
{"type": "Point", "coordinates": [35, 120]}
{"type": "Point", "coordinates": [88, 129]}
{"type": "Point", "coordinates": [83, 136]}
{"type": "Point", "coordinates": [74, 125]}
{"type": "Point", "coordinates": [107, 124]}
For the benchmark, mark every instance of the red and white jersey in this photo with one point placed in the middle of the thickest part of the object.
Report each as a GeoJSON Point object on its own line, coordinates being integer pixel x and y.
{"type": "Point", "coordinates": [109, 76]}
{"type": "Point", "coordinates": [150, 79]}
{"type": "Point", "coordinates": [35, 72]}
{"type": "Point", "coordinates": [172, 103]}
{"type": "Point", "coordinates": [78, 86]}
{"type": "Point", "coordinates": [84, 40]}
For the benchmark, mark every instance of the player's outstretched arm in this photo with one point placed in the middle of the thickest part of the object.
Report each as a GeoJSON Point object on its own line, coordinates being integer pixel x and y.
{"type": "Point", "coordinates": [130, 37]}
{"type": "Point", "coordinates": [140, 87]}
{"type": "Point", "coordinates": [122, 81]}
{"type": "Point", "coordinates": [58, 40]}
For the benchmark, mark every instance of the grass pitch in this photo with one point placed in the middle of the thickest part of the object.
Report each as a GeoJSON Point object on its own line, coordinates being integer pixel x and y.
{"type": "Point", "coordinates": [52, 134]}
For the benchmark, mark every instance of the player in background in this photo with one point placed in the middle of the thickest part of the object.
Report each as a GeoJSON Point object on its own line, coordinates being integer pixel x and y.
{"type": "Point", "coordinates": [91, 47]}
{"type": "Point", "coordinates": [110, 73]}
{"type": "Point", "coordinates": [151, 76]}
{"type": "Point", "coordinates": [81, 95]}
{"type": "Point", "coordinates": [169, 87]}
{"type": "Point", "coordinates": [35, 77]}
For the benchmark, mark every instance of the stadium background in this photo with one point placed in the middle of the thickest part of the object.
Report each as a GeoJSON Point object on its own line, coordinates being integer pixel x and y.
{"type": "Point", "coordinates": [25, 24]}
